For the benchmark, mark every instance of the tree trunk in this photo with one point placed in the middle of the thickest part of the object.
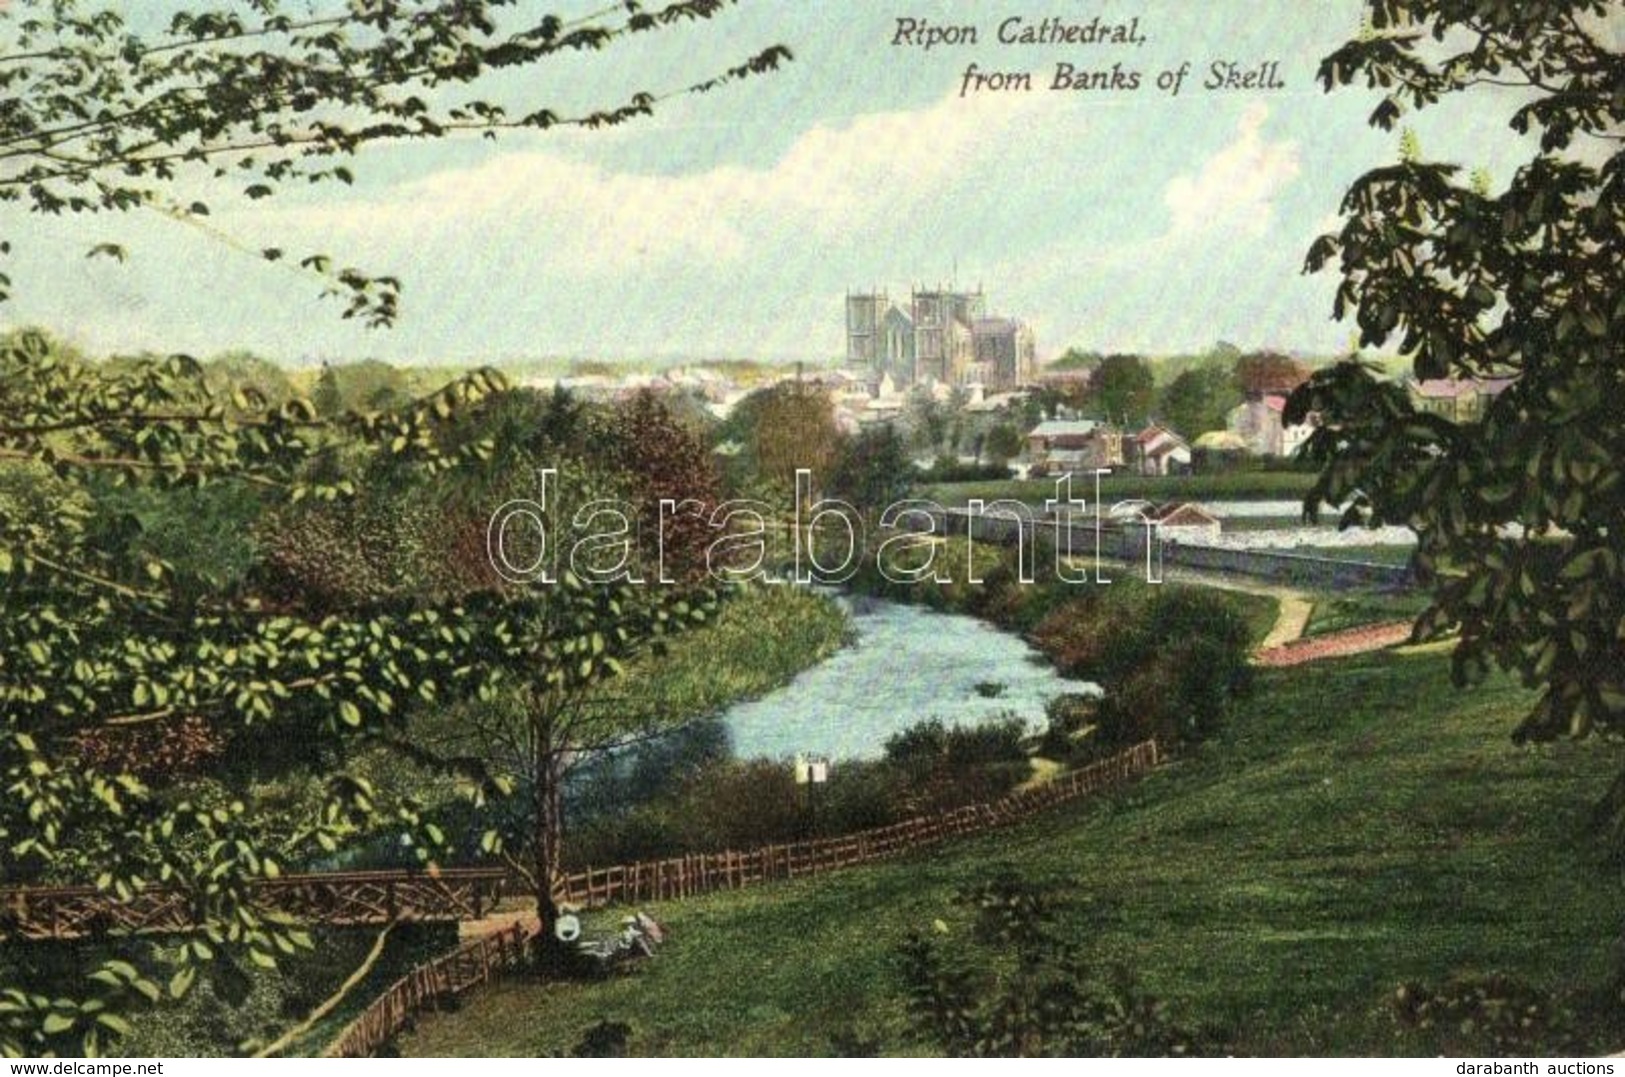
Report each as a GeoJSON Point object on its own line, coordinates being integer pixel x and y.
{"type": "Point", "coordinates": [548, 820]}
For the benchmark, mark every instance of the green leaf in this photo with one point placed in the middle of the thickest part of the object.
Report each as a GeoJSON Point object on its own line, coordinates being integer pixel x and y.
{"type": "Point", "coordinates": [114, 1022]}
{"type": "Point", "coordinates": [123, 968]}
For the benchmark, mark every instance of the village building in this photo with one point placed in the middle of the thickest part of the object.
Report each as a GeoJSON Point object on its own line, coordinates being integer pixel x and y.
{"type": "Point", "coordinates": [1175, 521]}
{"type": "Point", "coordinates": [1157, 450]}
{"type": "Point", "coordinates": [1258, 423]}
{"type": "Point", "coordinates": [1462, 400]}
{"type": "Point", "coordinates": [1058, 446]}
{"type": "Point", "coordinates": [1185, 521]}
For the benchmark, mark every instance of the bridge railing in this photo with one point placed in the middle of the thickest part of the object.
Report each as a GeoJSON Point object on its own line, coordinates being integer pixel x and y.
{"type": "Point", "coordinates": [335, 898]}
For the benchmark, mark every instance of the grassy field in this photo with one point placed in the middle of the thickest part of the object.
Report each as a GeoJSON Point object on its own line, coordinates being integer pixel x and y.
{"type": "Point", "coordinates": [1259, 611]}
{"type": "Point", "coordinates": [1334, 613]}
{"type": "Point", "coordinates": [1236, 486]}
{"type": "Point", "coordinates": [1280, 882]}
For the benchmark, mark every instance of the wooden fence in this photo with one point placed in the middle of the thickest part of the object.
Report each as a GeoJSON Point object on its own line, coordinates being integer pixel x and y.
{"type": "Point", "coordinates": [430, 986]}
{"type": "Point", "coordinates": [685, 876]}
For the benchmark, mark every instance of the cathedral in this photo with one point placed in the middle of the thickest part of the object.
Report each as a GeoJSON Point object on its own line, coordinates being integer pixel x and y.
{"type": "Point", "coordinates": [944, 336]}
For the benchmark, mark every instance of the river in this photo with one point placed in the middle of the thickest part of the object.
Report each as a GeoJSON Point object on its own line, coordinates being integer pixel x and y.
{"type": "Point", "coordinates": [907, 665]}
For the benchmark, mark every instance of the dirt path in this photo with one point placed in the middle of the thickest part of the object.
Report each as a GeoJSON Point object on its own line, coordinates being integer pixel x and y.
{"type": "Point", "coordinates": [1335, 644]}
{"type": "Point", "coordinates": [1290, 622]}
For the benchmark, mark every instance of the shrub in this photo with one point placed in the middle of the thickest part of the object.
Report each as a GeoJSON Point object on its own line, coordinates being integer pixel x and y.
{"type": "Point", "coordinates": [606, 1039]}
{"type": "Point", "coordinates": [1075, 636]}
{"type": "Point", "coordinates": [1007, 985]}
{"type": "Point", "coordinates": [1489, 1015]}
{"type": "Point", "coordinates": [927, 741]}
{"type": "Point", "coordinates": [1069, 730]}
{"type": "Point", "coordinates": [1000, 740]}
{"type": "Point", "coordinates": [859, 795]}
{"type": "Point", "coordinates": [959, 748]}
{"type": "Point", "coordinates": [741, 804]}
{"type": "Point", "coordinates": [1170, 659]}
{"type": "Point", "coordinates": [646, 832]}
{"type": "Point", "coordinates": [232, 1009]}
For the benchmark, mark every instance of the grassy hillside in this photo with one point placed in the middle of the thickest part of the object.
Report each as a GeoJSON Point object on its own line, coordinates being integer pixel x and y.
{"type": "Point", "coordinates": [1282, 882]}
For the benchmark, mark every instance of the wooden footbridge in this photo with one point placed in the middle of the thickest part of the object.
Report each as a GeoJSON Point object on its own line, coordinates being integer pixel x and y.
{"type": "Point", "coordinates": [340, 899]}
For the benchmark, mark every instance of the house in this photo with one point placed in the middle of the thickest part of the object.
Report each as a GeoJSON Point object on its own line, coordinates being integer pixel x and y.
{"type": "Point", "coordinates": [1064, 445]}
{"type": "Point", "coordinates": [1176, 521]}
{"type": "Point", "coordinates": [1258, 423]}
{"type": "Point", "coordinates": [1462, 400]}
{"type": "Point", "coordinates": [1157, 450]}
{"type": "Point", "coordinates": [1186, 521]}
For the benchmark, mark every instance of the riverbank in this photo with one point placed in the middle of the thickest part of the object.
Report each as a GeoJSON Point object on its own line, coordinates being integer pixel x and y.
{"type": "Point", "coordinates": [999, 596]}
{"type": "Point", "coordinates": [762, 639]}
{"type": "Point", "coordinates": [1318, 855]}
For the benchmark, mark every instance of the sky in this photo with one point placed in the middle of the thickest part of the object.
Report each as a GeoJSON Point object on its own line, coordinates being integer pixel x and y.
{"type": "Point", "coordinates": [732, 224]}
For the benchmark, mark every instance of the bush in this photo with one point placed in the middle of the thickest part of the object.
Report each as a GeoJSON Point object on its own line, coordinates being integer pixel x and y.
{"type": "Point", "coordinates": [1489, 1015]}
{"type": "Point", "coordinates": [1069, 730]}
{"type": "Point", "coordinates": [1008, 986]}
{"type": "Point", "coordinates": [1000, 740]}
{"type": "Point", "coordinates": [922, 741]}
{"type": "Point", "coordinates": [1075, 636]}
{"type": "Point", "coordinates": [959, 748]}
{"type": "Point", "coordinates": [1170, 659]}
{"type": "Point", "coordinates": [232, 1009]}
{"type": "Point", "coordinates": [859, 796]}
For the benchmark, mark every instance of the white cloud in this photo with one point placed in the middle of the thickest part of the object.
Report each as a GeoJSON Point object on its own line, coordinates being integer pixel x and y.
{"type": "Point", "coordinates": [1116, 295]}
{"type": "Point", "coordinates": [1235, 188]}
{"type": "Point", "coordinates": [582, 217]}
